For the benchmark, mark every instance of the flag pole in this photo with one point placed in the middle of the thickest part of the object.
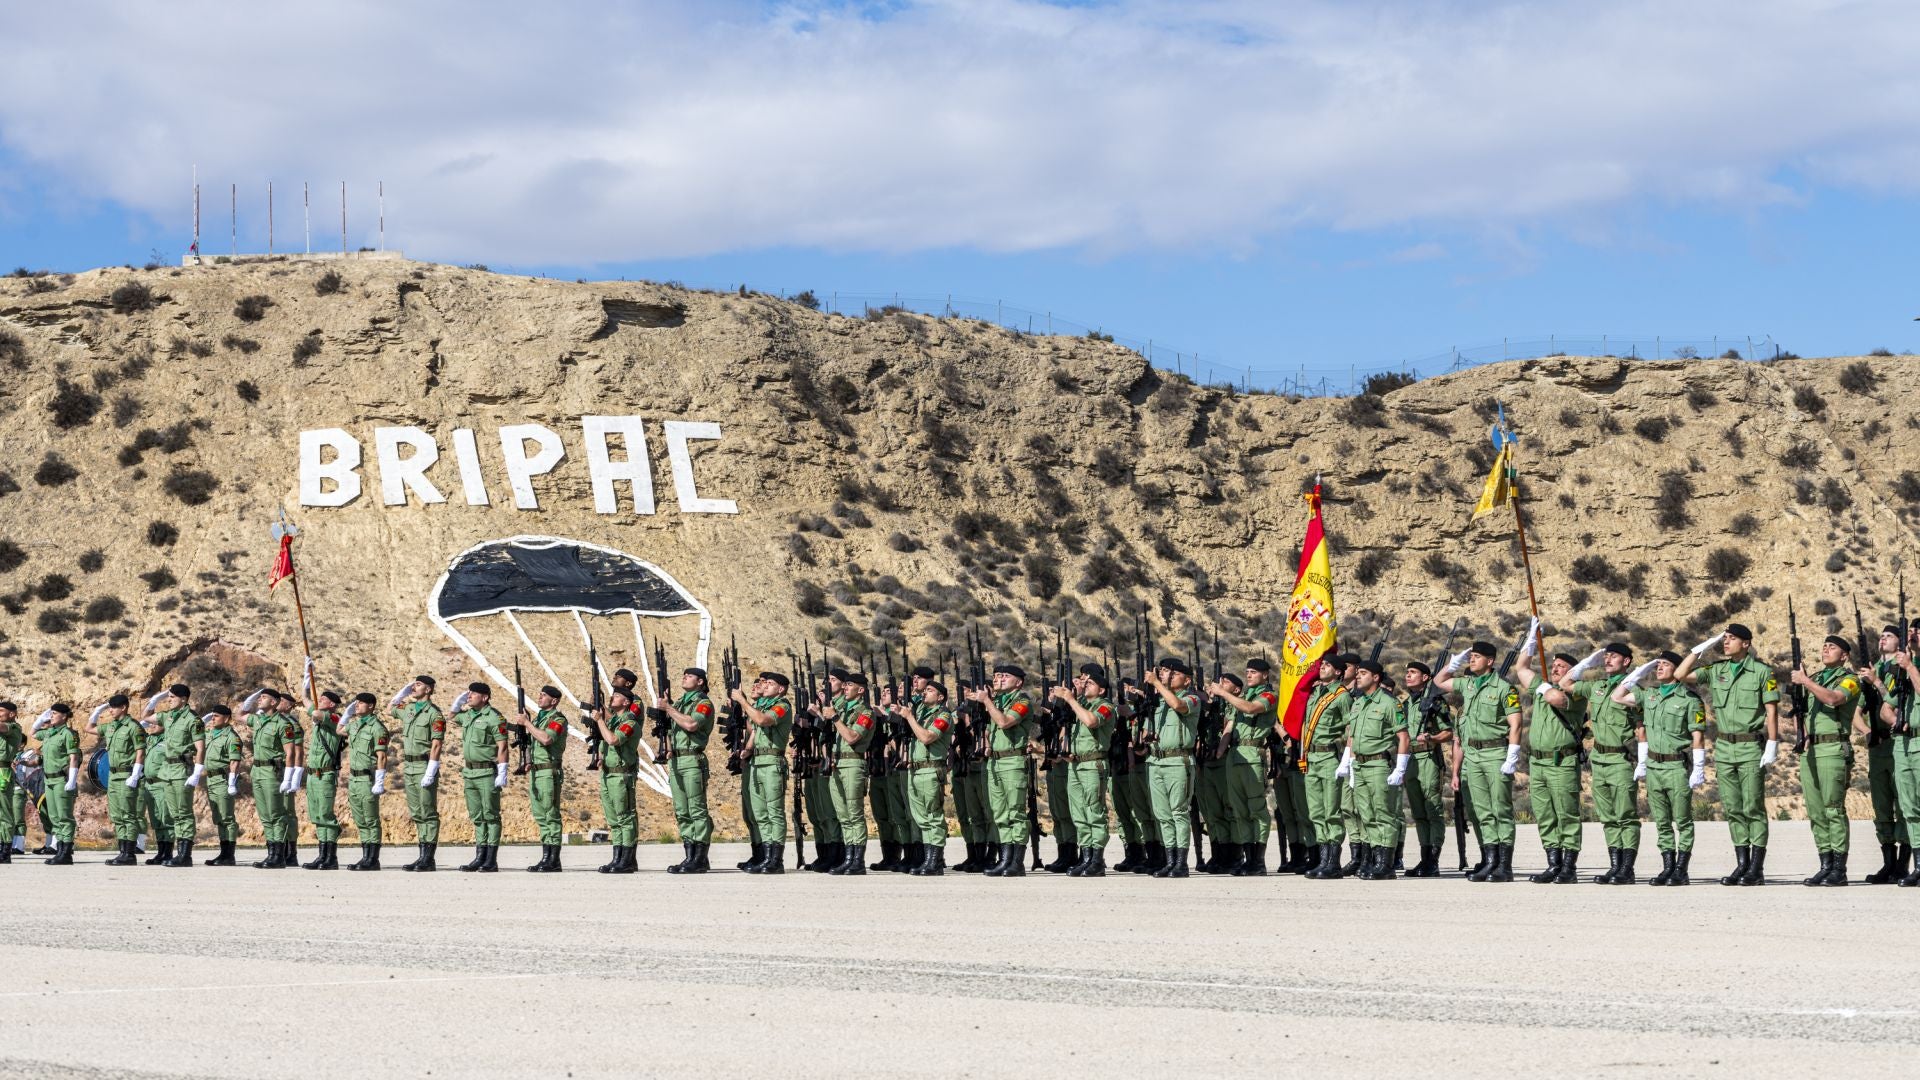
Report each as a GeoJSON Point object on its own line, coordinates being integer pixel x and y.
{"type": "Point", "coordinates": [306, 650]}
{"type": "Point", "coordinates": [1526, 561]}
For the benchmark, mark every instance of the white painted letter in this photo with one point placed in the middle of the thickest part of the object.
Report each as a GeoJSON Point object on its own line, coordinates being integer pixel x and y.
{"type": "Point", "coordinates": [467, 454]}
{"type": "Point", "coordinates": [520, 468]}
{"type": "Point", "coordinates": [400, 475]}
{"type": "Point", "coordinates": [678, 432]}
{"type": "Point", "coordinates": [343, 470]}
{"type": "Point", "coordinates": [604, 471]}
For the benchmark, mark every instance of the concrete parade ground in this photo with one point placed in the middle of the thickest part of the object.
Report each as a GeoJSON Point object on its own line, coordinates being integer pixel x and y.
{"type": "Point", "coordinates": [216, 973]}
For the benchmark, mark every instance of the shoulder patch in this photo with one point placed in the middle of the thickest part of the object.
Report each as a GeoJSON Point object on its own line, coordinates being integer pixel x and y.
{"type": "Point", "coordinates": [1018, 708]}
{"type": "Point", "coordinates": [939, 723]}
{"type": "Point", "coordinates": [863, 721]}
{"type": "Point", "coordinates": [705, 708]}
{"type": "Point", "coordinates": [439, 727]}
{"type": "Point", "coordinates": [500, 729]}
{"type": "Point", "coordinates": [779, 712]}
{"type": "Point", "coordinates": [554, 725]}
{"type": "Point", "coordinates": [1773, 683]}
{"type": "Point", "coordinates": [1513, 698]}
{"type": "Point", "coordinates": [1851, 686]}
{"type": "Point", "coordinates": [1269, 697]}
{"type": "Point", "coordinates": [1105, 711]}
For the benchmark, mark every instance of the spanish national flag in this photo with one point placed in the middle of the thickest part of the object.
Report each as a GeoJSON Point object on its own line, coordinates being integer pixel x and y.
{"type": "Point", "coordinates": [1310, 631]}
{"type": "Point", "coordinates": [1501, 483]}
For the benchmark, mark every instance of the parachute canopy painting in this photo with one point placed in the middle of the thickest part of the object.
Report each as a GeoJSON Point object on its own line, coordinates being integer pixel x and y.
{"type": "Point", "coordinates": [511, 579]}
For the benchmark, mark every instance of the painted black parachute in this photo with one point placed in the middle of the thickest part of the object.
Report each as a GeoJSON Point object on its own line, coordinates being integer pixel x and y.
{"type": "Point", "coordinates": [516, 575]}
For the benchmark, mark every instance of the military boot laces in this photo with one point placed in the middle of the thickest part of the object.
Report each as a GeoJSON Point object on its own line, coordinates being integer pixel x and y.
{"type": "Point", "coordinates": [1569, 868]}
{"type": "Point", "coordinates": [1836, 878]}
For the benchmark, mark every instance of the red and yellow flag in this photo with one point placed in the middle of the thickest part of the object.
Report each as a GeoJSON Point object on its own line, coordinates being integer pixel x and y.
{"type": "Point", "coordinates": [1310, 628]}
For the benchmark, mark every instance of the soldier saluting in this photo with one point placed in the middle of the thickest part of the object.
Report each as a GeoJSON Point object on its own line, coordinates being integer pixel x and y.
{"type": "Point", "coordinates": [1746, 720]}
{"type": "Point", "coordinates": [483, 772]}
{"type": "Point", "coordinates": [124, 742]}
{"type": "Point", "coordinates": [1487, 752]}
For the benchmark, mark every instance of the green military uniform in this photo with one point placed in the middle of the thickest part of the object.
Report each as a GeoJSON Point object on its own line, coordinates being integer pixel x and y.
{"type": "Point", "coordinates": [272, 737]}
{"type": "Point", "coordinates": [1740, 691]}
{"type": "Point", "coordinates": [58, 746]}
{"type": "Point", "coordinates": [1826, 767]}
{"type": "Point", "coordinates": [159, 822]}
{"type": "Point", "coordinates": [481, 732]}
{"type": "Point", "coordinates": [687, 768]}
{"type": "Point", "coordinates": [1244, 784]}
{"type": "Point", "coordinates": [819, 803]}
{"type": "Point", "coordinates": [1670, 716]}
{"type": "Point", "coordinates": [1085, 775]}
{"type": "Point", "coordinates": [1290, 803]}
{"type": "Point", "coordinates": [1889, 825]}
{"type": "Point", "coordinates": [1906, 774]}
{"type": "Point", "coordinates": [366, 755]}
{"type": "Point", "coordinates": [1375, 723]}
{"type": "Point", "coordinates": [925, 777]}
{"type": "Point", "coordinates": [12, 738]}
{"type": "Point", "coordinates": [180, 730]}
{"type": "Point", "coordinates": [849, 783]}
{"type": "Point", "coordinates": [1553, 780]}
{"type": "Point", "coordinates": [1485, 702]}
{"type": "Point", "coordinates": [1007, 777]}
{"type": "Point", "coordinates": [763, 785]}
{"type": "Point", "coordinates": [324, 751]}
{"type": "Point", "coordinates": [619, 762]}
{"type": "Point", "coordinates": [421, 725]}
{"type": "Point", "coordinates": [887, 791]}
{"type": "Point", "coordinates": [124, 741]}
{"type": "Point", "coordinates": [1132, 805]}
{"type": "Point", "coordinates": [1060, 809]}
{"type": "Point", "coordinates": [1426, 773]}
{"type": "Point", "coordinates": [1170, 777]}
{"type": "Point", "coordinates": [970, 805]}
{"type": "Point", "coordinates": [1616, 794]}
{"type": "Point", "coordinates": [1323, 736]}
{"type": "Point", "coordinates": [545, 773]}
{"type": "Point", "coordinates": [223, 753]}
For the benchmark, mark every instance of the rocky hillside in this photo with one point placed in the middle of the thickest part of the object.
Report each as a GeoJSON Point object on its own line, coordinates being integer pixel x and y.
{"type": "Point", "coordinates": [894, 475]}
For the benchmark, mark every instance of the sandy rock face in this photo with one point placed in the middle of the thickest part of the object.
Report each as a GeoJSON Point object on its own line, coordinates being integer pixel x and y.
{"type": "Point", "coordinates": [888, 476]}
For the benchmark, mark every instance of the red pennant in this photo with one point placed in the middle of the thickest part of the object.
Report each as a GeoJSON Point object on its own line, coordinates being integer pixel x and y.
{"type": "Point", "coordinates": [282, 563]}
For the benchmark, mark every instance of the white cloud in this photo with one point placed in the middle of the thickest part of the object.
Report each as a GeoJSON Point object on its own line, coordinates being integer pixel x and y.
{"type": "Point", "coordinates": [566, 133]}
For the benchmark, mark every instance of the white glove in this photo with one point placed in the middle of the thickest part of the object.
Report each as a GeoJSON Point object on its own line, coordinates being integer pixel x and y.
{"type": "Point", "coordinates": [306, 679]}
{"type": "Point", "coordinates": [500, 775]}
{"type": "Point", "coordinates": [133, 778]}
{"type": "Point", "coordinates": [1458, 661]}
{"type": "Point", "coordinates": [45, 718]}
{"type": "Point", "coordinates": [1527, 643]}
{"type": "Point", "coordinates": [1640, 770]}
{"type": "Point", "coordinates": [1399, 772]}
{"type": "Point", "coordinates": [1513, 759]}
{"type": "Point", "coordinates": [93, 720]}
{"type": "Point", "coordinates": [246, 707]}
{"type": "Point", "coordinates": [379, 782]}
{"type": "Point", "coordinates": [154, 703]}
{"type": "Point", "coordinates": [1346, 764]}
{"type": "Point", "coordinates": [1635, 676]}
{"type": "Point", "coordinates": [286, 781]}
{"type": "Point", "coordinates": [460, 702]}
{"type": "Point", "coordinates": [400, 698]}
{"type": "Point", "coordinates": [73, 779]}
{"type": "Point", "coordinates": [198, 772]}
{"type": "Point", "coordinates": [299, 778]}
{"type": "Point", "coordinates": [233, 784]}
{"type": "Point", "coordinates": [1707, 646]}
{"type": "Point", "coordinates": [1586, 664]}
{"type": "Point", "coordinates": [1769, 752]}
{"type": "Point", "coordinates": [433, 770]}
{"type": "Point", "coordinates": [1699, 774]}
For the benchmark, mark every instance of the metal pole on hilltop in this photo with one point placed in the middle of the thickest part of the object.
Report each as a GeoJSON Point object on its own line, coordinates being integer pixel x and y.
{"type": "Point", "coordinates": [306, 216]}
{"type": "Point", "coordinates": [233, 219]}
{"type": "Point", "coordinates": [343, 217]}
{"type": "Point", "coordinates": [383, 215]}
{"type": "Point", "coordinates": [269, 217]}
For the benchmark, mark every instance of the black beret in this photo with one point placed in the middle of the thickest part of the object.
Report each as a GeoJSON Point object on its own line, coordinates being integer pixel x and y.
{"type": "Point", "coordinates": [935, 684]}
{"type": "Point", "coordinates": [854, 678]}
{"type": "Point", "coordinates": [774, 676]}
{"type": "Point", "coordinates": [1564, 658]}
{"type": "Point", "coordinates": [1014, 670]}
{"type": "Point", "coordinates": [1095, 672]}
{"type": "Point", "coordinates": [1228, 676]}
{"type": "Point", "coordinates": [428, 679]}
{"type": "Point", "coordinates": [629, 676]}
{"type": "Point", "coordinates": [550, 691]}
{"type": "Point", "coordinates": [63, 708]}
{"type": "Point", "coordinates": [9, 706]}
{"type": "Point", "coordinates": [366, 699]}
{"type": "Point", "coordinates": [1372, 667]}
{"type": "Point", "coordinates": [1670, 657]}
{"type": "Point", "coordinates": [1257, 664]}
{"type": "Point", "coordinates": [479, 688]}
{"type": "Point", "coordinates": [1890, 629]}
{"type": "Point", "coordinates": [1347, 659]}
{"type": "Point", "coordinates": [221, 710]}
{"type": "Point", "coordinates": [1415, 665]}
{"type": "Point", "coordinates": [1740, 631]}
{"type": "Point", "coordinates": [117, 701]}
{"type": "Point", "coordinates": [1175, 664]}
{"type": "Point", "coordinates": [1619, 649]}
{"type": "Point", "coordinates": [924, 672]}
{"type": "Point", "coordinates": [332, 695]}
{"type": "Point", "coordinates": [180, 690]}
{"type": "Point", "coordinates": [702, 672]}
{"type": "Point", "coordinates": [837, 673]}
{"type": "Point", "coordinates": [1485, 649]}
{"type": "Point", "coordinates": [1839, 642]}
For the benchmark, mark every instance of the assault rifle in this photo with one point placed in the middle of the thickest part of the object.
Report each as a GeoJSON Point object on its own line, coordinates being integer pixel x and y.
{"type": "Point", "coordinates": [1795, 692]}
{"type": "Point", "coordinates": [595, 747]}
{"type": "Point", "coordinates": [1378, 646]}
{"type": "Point", "coordinates": [522, 738]}
{"type": "Point", "coordinates": [1196, 826]}
{"type": "Point", "coordinates": [733, 725]}
{"type": "Point", "coordinates": [1902, 688]}
{"type": "Point", "coordinates": [798, 735]}
{"type": "Point", "coordinates": [662, 723]}
{"type": "Point", "coordinates": [1870, 697]}
{"type": "Point", "coordinates": [1033, 775]}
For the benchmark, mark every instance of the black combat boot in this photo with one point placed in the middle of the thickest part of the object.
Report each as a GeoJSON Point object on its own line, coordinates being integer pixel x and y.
{"type": "Point", "coordinates": [1838, 876]}
{"type": "Point", "coordinates": [1757, 868]}
{"type": "Point", "coordinates": [914, 855]}
{"type": "Point", "coordinates": [1330, 869]}
{"type": "Point", "coordinates": [226, 854]}
{"type": "Point", "coordinates": [546, 859]}
{"type": "Point", "coordinates": [613, 859]}
{"type": "Point", "coordinates": [1253, 861]}
{"type": "Point", "coordinates": [290, 858]}
{"type": "Point", "coordinates": [1569, 867]}
{"type": "Point", "coordinates": [855, 864]}
{"type": "Point", "coordinates": [479, 859]}
{"type": "Point", "coordinates": [1093, 865]}
{"type": "Point", "coordinates": [1680, 861]}
{"type": "Point", "coordinates": [1902, 856]}
{"type": "Point", "coordinates": [1156, 858]}
{"type": "Point", "coordinates": [123, 858]}
{"type": "Point", "coordinates": [319, 859]}
{"type": "Point", "coordinates": [700, 863]}
{"type": "Point", "coordinates": [1176, 864]}
{"type": "Point", "coordinates": [826, 857]}
{"type": "Point", "coordinates": [775, 862]}
{"type": "Point", "coordinates": [369, 858]}
{"type": "Point", "coordinates": [1912, 879]}
{"type": "Point", "coordinates": [276, 857]}
{"type": "Point", "coordinates": [1017, 861]}
{"type": "Point", "coordinates": [163, 850]}
{"type": "Point", "coordinates": [971, 863]}
{"type": "Point", "coordinates": [1227, 858]}
{"type": "Point", "coordinates": [1503, 863]}
{"type": "Point", "coordinates": [63, 854]}
{"type": "Point", "coordinates": [1379, 863]}
{"type": "Point", "coordinates": [1545, 877]}
{"type": "Point", "coordinates": [934, 864]}
{"type": "Point", "coordinates": [686, 858]}
{"type": "Point", "coordinates": [492, 865]}
{"type": "Point", "coordinates": [1353, 866]}
{"type": "Point", "coordinates": [1614, 856]}
{"type": "Point", "coordinates": [1665, 876]}
{"type": "Point", "coordinates": [1887, 872]}
{"type": "Point", "coordinates": [427, 864]}
{"type": "Point", "coordinates": [1820, 876]}
{"type": "Point", "coordinates": [1131, 856]}
{"type": "Point", "coordinates": [1628, 856]}
{"type": "Point", "coordinates": [1297, 860]}
{"type": "Point", "coordinates": [1489, 863]}
{"type": "Point", "coordinates": [1067, 858]}
{"type": "Point", "coordinates": [889, 857]}
{"type": "Point", "coordinates": [1742, 855]}
{"type": "Point", "coordinates": [1365, 871]}
{"type": "Point", "coordinates": [622, 861]}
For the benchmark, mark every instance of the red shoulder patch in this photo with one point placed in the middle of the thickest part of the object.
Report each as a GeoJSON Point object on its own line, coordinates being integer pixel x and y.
{"type": "Point", "coordinates": [502, 729]}
{"type": "Point", "coordinates": [1019, 708]}
{"type": "Point", "coordinates": [439, 727]}
{"type": "Point", "coordinates": [705, 708]}
{"type": "Point", "coordinates": [554, 725]}
{"type": "Point", "coordinates": [779, 712]}
{"type": "Point", "coordinates": [1105, 711]}
{"type": "Point", "coordinates": [625, 729]}
{"type": "Point", "coordinates": [939, 723]}
{"type": "Point", "coordinates": [1269, 697]}
{"type": "Point", "coordinates": [863, 721]}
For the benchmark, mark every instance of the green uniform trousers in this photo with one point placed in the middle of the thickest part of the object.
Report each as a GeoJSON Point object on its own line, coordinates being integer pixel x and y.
{"type": "Point", "coordinates": [159, 826]}
{"type": "Point", "coordinates": [1743, 792]}
{"type": "Point", "coordinates": [1350, 821]}
{"type": "Point", "coordinates": [1553, 790]}
{"type": "Point", "coordinates": [906, 828]}
{"type": "Point", "coordinates": [763, 790]}
{"type": "Point", "coordinates": [883, 824]}
{"type": "Point", "coordinates": [1007, 799]}
{"type": "Point", "coordinates": [1489, 793]}
{"type": "Point", "coordinates": [543, 802]}
{"type": "Point", "coordinates": [1670, 805]}
{"type": "Point", "coordinates": [1373, 804]}
{"type": "Point", "coordinates": [927, 802]}
{"type": "Point", "coordinates": [123, 806]}
{"type": "Point", "coordinates": [687, 782]}
{"type": "Point", "coordinates": [1825, 770]}
{"type": "Point", "coordinates": [59, 805]}
{"type": "Point", "coordinates": [1325, 794]}
{"type": "Point", "coordinates": [1060, 806]}
{"type": "Point", "coordinates": [483, 804]}
{"type": "Point", "coordinates": [1906, 776]}
{"type": "Point", "coordinates": [1889, 825]}
{"type": "Point", "coordinates": [1616, 800]}
{"type": "Point", "coordinates": [969, 807]}
{"type": "Point", "coordinates": [9, 815]}
{"type": "Point", "coordinates": [1087, 803]}
{"type": "Point", "coordinates": [1426, 804]}
{"type": "Point", "coordinates": [617, 807]}
{"type": "Point", "coordinates": [1132, 808]}
{"type": "Point", "coordinates": [423, 804]}
{"type": "Point", "coordinates": [1210, 795]}
{"type": "Point", "coordinates": [365, 806]}
{"type": "Point", "coordinates": [226, 822]}
{"type": "Point", "coordinates": [850, 800]}
{"type": "Point", "coordinates": [1170, 784]}
{"type": "Point", "coordinates": [819, 802]}
{"type": "Point", "coordinates": [176, 802]}
{"type": "Point", "coordinates": [268, 802]}
{"type": "Point", "coordinates": [1244, 790]}
{"type": "Point", "coordinates": [322, 790]}
{"type": "Point", "coordinates": [1290, 804]}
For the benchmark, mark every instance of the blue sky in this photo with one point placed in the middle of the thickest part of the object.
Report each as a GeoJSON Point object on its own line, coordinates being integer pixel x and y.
{"type": "Point", "coordinates": [1280, 185]}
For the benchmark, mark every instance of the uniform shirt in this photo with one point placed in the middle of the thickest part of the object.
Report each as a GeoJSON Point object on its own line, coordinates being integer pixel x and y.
{"type": "Point", "coordinates": [123, 740]}
{"type": "Point", "coordinates": [858, 715]}
{"type": "Point", "coordinates": [179, 730]}
{"type": "Point", "coordinates": [697, 704]}
{"type": "Point", "coordinates": [1485, 702]}
{"type": "Point", "coordinates": [1437, 718]}
{"type": "Point", "coordinates": [1740, 691]}
{"type": "Point", "coordinates": [939, 720]}
{"type": "Point", "coordinates": [1611, 722]}
{"type": "Point", "coordinates": [1252, 729]}
{"type": "Point", "coordinates": [420, 724]}
{"type": "Point", "coordinates": [773, 736]}
{"type": "Point", "coordinates": [223, 749]}
{"type": "Point", "coordinates": [1327, 716]}
{"type": "Point", "coordinates": [366, 742]}
{"type": "Point", "coordinates": [12, 739]}
{"type": "Point", "coordinates": [1879, 730]}
{"type": "Point", "coordinates": [1017, 704]}
{"type": "Point", "coordinates": [1554, 728]}
{"type": "Point", "coordinates": [1834, 719]}
{"type": "Point", "coordinates": [1671, 715]}
{"type": "Point", "coordinates": [481, 730]}
{"type": "Point", "coordinates": [1097, 739]}
{"type": "Point", "coordinates": [55, 747]}
{"type": "Point", "coordinates": [1376, 718]}
{"type": "Point", "coordinates": [270, 739]}
{"type": "Point", "coordinates": [1174, 730]}
{"type": "Point", "coordinates": [323, 755]}
{"type": "Point", "coordinates": [556, 749]}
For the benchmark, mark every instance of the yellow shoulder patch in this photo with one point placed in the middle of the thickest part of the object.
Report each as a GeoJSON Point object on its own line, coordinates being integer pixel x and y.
{"type": "Point", "coordinates": [1851, 686]}
{"type": "Point", "coordinates": [1773, 683]}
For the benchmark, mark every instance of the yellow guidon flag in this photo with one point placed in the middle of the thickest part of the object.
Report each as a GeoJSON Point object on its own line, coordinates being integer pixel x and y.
{"type": "Point", "coordinates": [1501, 484]}
{"type": "Point", "coordinates": [1309, 633]}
